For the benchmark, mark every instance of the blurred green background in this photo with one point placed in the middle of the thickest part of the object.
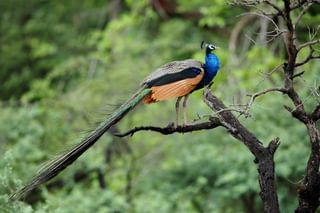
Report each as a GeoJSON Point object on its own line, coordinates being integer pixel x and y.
{"type": "Point", "coordinates": [65, 65]}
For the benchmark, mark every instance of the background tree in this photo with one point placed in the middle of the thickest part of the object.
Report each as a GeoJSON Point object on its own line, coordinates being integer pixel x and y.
{"type": "Point", "coordinates": [60, 61]}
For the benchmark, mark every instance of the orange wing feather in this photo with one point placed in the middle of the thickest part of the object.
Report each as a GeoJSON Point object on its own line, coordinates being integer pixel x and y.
{"type": "Point", "coordinates": [172, 90]}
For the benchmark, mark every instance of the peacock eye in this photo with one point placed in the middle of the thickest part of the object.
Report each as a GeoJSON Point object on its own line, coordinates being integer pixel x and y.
{"type": "Point", "coordinates": [211, 47]}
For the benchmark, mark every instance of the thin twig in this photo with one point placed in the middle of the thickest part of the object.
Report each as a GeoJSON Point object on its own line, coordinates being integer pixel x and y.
{"type": "Point", "coordinates": [298, 4]}
{"type": "Point", "coordinates": [273, 34]}
{"type": "Point", "coordinates": [268, 74]}
{"type": "Point", "coordinates": [261, 15]}
{"type": "Point", "coordinates": [274, 6]}
{"type": "Point", "coordinates": [307, 60]}
{"type": "Point", "coordinates": [229, 110]}
{"type": "Point", "coordinates": [305, 9]}
{"type": "Point", "coordinates": [313, 89]}
{"type": "Point", "coordinates": [256, 95]}
{"type": "Point", "coordinates": [309, 43]}
{"type": "Point", "coordinates": [297, 75]}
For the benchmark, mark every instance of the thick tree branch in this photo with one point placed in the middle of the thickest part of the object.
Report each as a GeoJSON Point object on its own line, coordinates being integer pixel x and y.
{"type": "Point", "coordinates": [264, 156]}
{"type": "Point", "coordinates": [309, 191]}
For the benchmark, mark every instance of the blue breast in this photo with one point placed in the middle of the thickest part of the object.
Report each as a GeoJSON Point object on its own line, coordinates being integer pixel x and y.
{"type": "Point", "coordinates": [211, 67]}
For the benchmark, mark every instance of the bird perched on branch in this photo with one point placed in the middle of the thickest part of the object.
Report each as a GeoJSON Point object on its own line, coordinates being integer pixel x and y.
{"type": "Point", "coordinates": [176, 79]}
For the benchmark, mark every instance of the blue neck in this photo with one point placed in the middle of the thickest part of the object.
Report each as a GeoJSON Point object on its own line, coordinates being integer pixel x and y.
{"type": "Point", "coordinates": [211, 67]}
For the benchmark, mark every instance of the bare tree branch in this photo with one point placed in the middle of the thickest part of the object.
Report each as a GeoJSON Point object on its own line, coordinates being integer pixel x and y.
{"type": "Point", "coordinates": [273, 34]}
{"type": "Point", "coordinates": [300, 3]}
{"type": "Point", "coordinates": [316, 113]}
{"type": "Point", "coordinates": [308, 58]}
{"type": "Point", "coordinates": [309, 43]}
{"type": "Point", "coordinates": [298, 75]}
{"type": "Point", "coordinates": [274, 6]}
{"type": "Point", "coordinates": [305, 9]}
{"type": "Point", "coordinates": [170, 129]}
{"type": "Point", "coordinates": [256, 95]}
{"type": "Point", "coordinates": [263, 155]}
{"type": "Point", "coordinates": [309, 191]}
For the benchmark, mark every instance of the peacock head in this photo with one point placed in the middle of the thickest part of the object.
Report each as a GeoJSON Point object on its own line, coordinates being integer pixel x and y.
{"type": "Point", "coordinates": [209, 47]}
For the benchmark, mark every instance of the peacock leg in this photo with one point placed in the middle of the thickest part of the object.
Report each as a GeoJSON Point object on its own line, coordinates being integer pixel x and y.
{"type": "Point", "coordinates": [177, 111]}
{"type": "Point", "coordinates": [184, 105]}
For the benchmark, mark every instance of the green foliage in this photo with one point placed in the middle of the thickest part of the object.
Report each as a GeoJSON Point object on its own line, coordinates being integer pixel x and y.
{"type": "Point", "coordinates": [64, 62]}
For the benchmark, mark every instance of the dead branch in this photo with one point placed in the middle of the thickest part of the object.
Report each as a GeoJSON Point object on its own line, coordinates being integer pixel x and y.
{"type": "Point", "coordinates": [273, 34]}
{"type": "Point", "coordinates": [258, 94]}
{"type": "Point", "coordinates": [300, 3]}
{"type": "Point", "coordinates": [274, 6]}
{"type": "Point", "coordinates": [298, 75]}
{"type": "Point", "coordinates": [316, 114]}
{"type": "Point", "coordinates": [264, 156]}
{"type": "Point", "coordinates": [307, 44]}
{"type": "Point", "coordinates": [308, 58]}
{"type": "Point", "coordinates": [305, 9]}
{"type": "Point", "coordinates": [170, 129]}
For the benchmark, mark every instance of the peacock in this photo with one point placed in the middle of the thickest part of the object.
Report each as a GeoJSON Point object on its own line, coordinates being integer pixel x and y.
{"type": "Point", "coordinates": [177, 79]}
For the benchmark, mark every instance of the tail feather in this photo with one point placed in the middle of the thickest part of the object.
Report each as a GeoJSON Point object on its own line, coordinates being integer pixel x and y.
{"type": "Point", "coordinates": [58, 164]}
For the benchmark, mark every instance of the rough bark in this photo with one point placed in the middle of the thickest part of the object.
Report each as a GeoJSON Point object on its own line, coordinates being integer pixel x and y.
{"type": "Point", "coordinates": [263, 155]}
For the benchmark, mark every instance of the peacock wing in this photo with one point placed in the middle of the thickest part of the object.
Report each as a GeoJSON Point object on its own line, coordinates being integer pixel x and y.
{"type": "Point", "coordinates": [174, 79]}
{"type": "Point", "coordinates": [174, 69]}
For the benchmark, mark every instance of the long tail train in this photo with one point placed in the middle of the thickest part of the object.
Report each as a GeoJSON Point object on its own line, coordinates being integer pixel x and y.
{"type": "Point", "coordinates": [61, 162]}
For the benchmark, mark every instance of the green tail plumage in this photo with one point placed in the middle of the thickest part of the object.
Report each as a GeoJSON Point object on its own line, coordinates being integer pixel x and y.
{"type": "Point", "coordinates": [60, 163]}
